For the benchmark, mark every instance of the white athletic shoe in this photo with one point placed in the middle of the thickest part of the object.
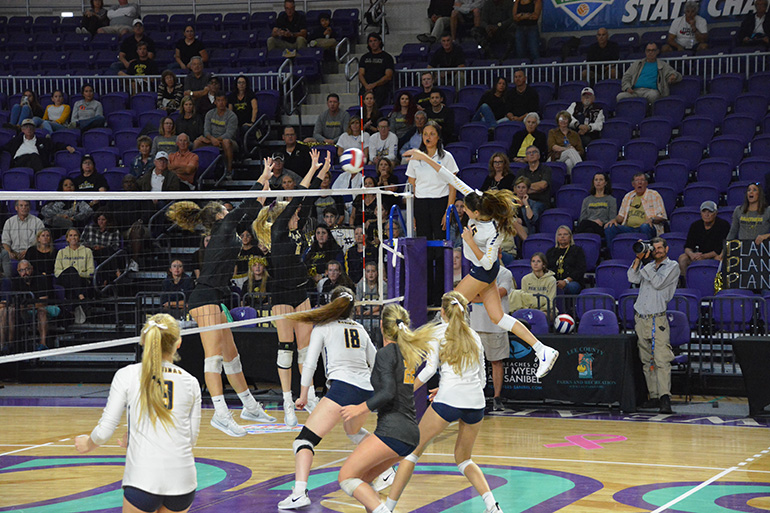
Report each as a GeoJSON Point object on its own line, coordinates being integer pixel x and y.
{"type": "Point", "coordinates": [384, 480]}
{"type": "Point", "coordinates": [311, 404]}
{"type": "Point", "coordinates": [258, 415]}
{"type": "Point", "coordinates": [227, 425]}
{"type": "Point", "coordinates": [494, 509]}
{"type": "Point", "coordinates": [289, 417]}
{"type": "Point", "coordinates": [550, 356]}
{"type": "Point", "coordinates": [294, 501]}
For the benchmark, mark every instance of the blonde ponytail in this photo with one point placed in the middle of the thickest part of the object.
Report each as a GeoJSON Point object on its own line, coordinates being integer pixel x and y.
{"type": "Point", "coordinates": [459, 349]}
{"type": "Point", "coordinates": [188, 215]}
{"type": "Point", "coordinates": [159, 338]}
{"type": "Point", "coordinates": [414, 345]}
{"type": "Point", "coordinates": [339, 307]}
{"type": "Point", "coordinates": [262, 225]}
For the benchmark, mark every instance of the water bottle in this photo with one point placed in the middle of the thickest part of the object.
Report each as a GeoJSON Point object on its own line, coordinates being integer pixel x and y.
{"type": "Point", "coordinates": [566, 141]}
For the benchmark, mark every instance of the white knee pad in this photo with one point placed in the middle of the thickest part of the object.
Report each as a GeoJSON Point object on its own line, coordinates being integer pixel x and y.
{"type": "Point", "coordinates": [412, 457]}
{"type": "Point", "coordinates": [299, 444]}
{"type": "Point", "coordinates": [213, 364]}
{"type": "Point", "coordinates": [349, 485]}
{"type": "Point", "coordinates": [285, 357]}
{"type": "Point", "coordinates": [462, 466]}
{"type": "Point", "coordinates": [233, 366]}
{"type": "Point", "coordinates": [357, 438]}
{"type": "Point", "coordinates": [301, 355]}
{"type": "Point", "coordinates": [507, 322]}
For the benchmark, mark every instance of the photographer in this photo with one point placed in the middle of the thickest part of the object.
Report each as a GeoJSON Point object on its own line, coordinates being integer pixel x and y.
{"type": "Point", "coordinates": [657, 283]}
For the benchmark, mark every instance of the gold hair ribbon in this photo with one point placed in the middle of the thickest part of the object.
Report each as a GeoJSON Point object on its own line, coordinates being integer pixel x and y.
{"type": "Point", "coordinates": [152, 323]}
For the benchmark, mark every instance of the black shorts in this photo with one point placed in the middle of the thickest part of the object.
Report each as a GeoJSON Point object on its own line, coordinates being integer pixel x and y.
{"type": "Point", "coordinates": [204, 295]}
{"type": "Point", "coordinates": [291, 297]}
{"type": "Point", "coordinates": [147, 501]}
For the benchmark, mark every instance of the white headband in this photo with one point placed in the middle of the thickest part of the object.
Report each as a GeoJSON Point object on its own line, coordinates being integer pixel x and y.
{"type": "Point", "coordinates": [347, 295]}
{"type": "Point", "coordinates": [456, 301]}
{"type": "Point", "coordinates": [401, 324]}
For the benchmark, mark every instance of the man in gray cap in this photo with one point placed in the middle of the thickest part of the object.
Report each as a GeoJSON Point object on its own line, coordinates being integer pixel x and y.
{"type": "Point", "coordinates": [28, 150]}
{"type": "Point", "coordinates": [276, 180]}
{"type": "Point", "coordinates": [705, 238]}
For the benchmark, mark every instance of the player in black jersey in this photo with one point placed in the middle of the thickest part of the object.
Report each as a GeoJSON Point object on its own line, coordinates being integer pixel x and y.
{"type": "Point", "coordinates": [205, 301]}
{"type": "Point", "coordinates": [279, 227]}
{"type": "Point", "coordinates": [397, 434]}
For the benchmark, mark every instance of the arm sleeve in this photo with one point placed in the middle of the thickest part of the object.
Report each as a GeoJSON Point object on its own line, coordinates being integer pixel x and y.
{"type": "Point", "coordinates": [634, 276]}
{"type": "Point", "coordinates": [392, 146]}
{"type": "Point", "coordinates": [318, 127]}
{"type": "Point", "coordinates": [481, 369]}
{"type": "Point", "coordinates": [624, 206]}
{"type": "Point", "coordinates": [76, 112]}
{"type": "Point", "coordinates": [454, 181]}
{"type": "Point", "coordinates": [384, 373]}
{"type": "Point", "coordinates": [597, 125]}
{"type": "Point", "coordinates": [116, 404]}
{"type": "Point", "coordinates": [195, 413]}
{"type": "Point", "coordinates": [431, 363]}
{"type": "Point", "coordinates": [731, 235]}
{"type": "Point", "coordinates": [661, 280]}
{"type": "Point", "coordinates": [311, 360]}
{"type": "Point", "coordinates": [5, 261]}
{"type": "Point", "coordinates": [231, 127]}
{"type": "Point", "coordinates": [584, 209]}
{"type": "Point", "coordinates": [573, 123]}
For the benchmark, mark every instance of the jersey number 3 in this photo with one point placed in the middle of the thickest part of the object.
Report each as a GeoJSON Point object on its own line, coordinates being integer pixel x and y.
{"type": "Point", "coordinates": [352, 339]}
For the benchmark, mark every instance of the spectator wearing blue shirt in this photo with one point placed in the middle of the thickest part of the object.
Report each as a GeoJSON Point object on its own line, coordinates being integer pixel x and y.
{"type": "Point", "coordinates": [648, 78]}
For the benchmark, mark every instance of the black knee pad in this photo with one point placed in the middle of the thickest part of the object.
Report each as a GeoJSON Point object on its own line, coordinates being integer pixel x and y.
{"type": "Point", "coordinates": [306, 440]}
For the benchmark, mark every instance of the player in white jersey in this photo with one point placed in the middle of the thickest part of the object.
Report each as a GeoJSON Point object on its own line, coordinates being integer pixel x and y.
{"type": "Point", "coordinates": [163, 422]}
{"type": "Point", "coordinates": [459, 357]}
{"type": "Point", "coordinates": [348, 356]}
{"type": "Point", "coordinates": [491, 216]}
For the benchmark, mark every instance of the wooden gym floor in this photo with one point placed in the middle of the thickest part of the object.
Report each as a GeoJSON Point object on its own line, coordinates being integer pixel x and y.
{"type": "Point", "coordinates": [536, 461]}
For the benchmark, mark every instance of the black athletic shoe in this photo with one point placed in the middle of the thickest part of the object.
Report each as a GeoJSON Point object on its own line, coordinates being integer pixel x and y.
{"type": "Point", "coordinates": [665, 404]}
{"type": "Point", "coordinates": [650, 404]}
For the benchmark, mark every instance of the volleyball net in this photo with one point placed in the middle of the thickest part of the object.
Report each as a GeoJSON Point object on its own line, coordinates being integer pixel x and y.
{"type": "Point", "coordinates": [104, 262]}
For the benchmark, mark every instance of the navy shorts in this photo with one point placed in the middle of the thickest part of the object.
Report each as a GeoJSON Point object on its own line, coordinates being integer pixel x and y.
{"type": "Point", "coordinates": [346, 394]}
{"type": "Point", "coordinates": [146, 501]}
{"type": "Point", "coordinates": [399, 447]}
{"type": "Point", "coordinates": [452, 414]}
{"type": "Point", "coordinates": [291, 297]}
{"type": "Point", "coordinates": [482, 274]}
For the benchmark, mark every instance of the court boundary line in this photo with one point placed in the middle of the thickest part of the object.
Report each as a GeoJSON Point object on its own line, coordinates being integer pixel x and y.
{"type": "Point", "coordinates": [707, 482]}
{"type": "Point", "coordinates": [447, 455]}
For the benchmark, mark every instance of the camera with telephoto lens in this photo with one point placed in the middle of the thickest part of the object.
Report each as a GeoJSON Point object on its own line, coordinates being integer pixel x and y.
{"type": "Point", "coordinates": [642, 246]}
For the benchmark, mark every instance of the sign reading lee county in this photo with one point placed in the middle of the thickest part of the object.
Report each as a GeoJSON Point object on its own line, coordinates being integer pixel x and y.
{"type": "Point", "coordinates": [587, 15]}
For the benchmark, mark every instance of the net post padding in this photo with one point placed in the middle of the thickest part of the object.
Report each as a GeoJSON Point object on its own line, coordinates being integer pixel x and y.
{"type": "Point", "coordinates": [414, 264]}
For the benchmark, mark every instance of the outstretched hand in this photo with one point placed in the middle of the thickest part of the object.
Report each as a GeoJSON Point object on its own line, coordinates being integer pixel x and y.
{"type": "Point", "coordinates": [315, 156]}
{"type": "Point", "coordinates": [267, 169]}
{"type": "Point", "coordinates": [416, 154]}
{"type": "Point", "coordinates": [326, 165]}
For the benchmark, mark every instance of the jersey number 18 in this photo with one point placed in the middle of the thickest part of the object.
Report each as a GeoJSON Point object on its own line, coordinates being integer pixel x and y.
{"type": "Point", "coordinates": [352, 339]}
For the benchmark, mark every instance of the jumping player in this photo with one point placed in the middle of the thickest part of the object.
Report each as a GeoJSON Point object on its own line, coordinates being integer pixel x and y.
{"type": "Point", "coordinates": [279, 227]}
{"type": "Point", "coordinates": [206, 301]}
{"type": "Point", "coordinates": [491, 218]}
{"type": "Point", "coordinates": [459, 355]}
{"type": "Point", "coordinates": [164, 414]}
{"type": "Point", "coordinates": [397, 434]}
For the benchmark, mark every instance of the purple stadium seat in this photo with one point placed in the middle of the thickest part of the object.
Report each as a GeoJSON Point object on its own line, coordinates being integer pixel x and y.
{"type": "Point", "coordinates": [603, 151]}
{"type": "Point", "coordinates": [726, 85]}
{"type": "Point", "coordinates": [598, 322]}
{"type": "Point", "coordinates": [656, 128]}
{"type": "Point", "coordinates": [607, 91]}
{"type": "Point", "coordinates": [624, 171]}
{"type": "Point", "coordinates": [537, 320]}
{"type": "Point", "coordinates": [48, 179]}
{"type": "Point", "coordinates": [474, 175]}
{"type": "Point", "coordinates": [461, 151]}
{"type": "Point", "coordinates": [667, 192]}
{"type": "Point", "coordinates": [716, 171]}
{"type": "Point", "coordinates": [553, 218]}
{"type": "Point", "coordinates": [537, 242]}
{"type": "Point", "coordinates": [676, 241]}
{"type": "Point", "coordinates": [504, 131]}
{"type": "Point", "coordinates": [612, 274]}
{"type": "Point", "coordinates": [689, 89]}
{"type": "Point", "coordinates": [486, 150]}
{"type": "Point", "coordinates": [18, 179]}
{"type": "Point", "coordinates": [641, 150]}
{"type": "Point", "coordinates": [570, 198]}
{"type": "Point", "coordinates": [740, 125]}
{"type": "Point", "coordinates": [570, 91]}
{"type": "Point", "coordinates": [593, 298]}
{"type": "Point", "coordinates": [463, 114]}
{"type": "Point", "coordinates": [631, 109]}
{"type": "Point", "coordinates": [754, 169]}
{"type": "Point", "coordinates": [700, 275]}
{"type": "Point", "coordinates": [689, 149]}
{"type": "Point", "coordinates": [592, 245]}
{"type": "Point", "coordinates": [712, 106]}
{"type": "Point", "coordinates": [619, 130]}
{"type": "Point", "coordinates": [727, 147]}
{"type": "Point", "coordinates": [697, 193]}
{"type": "Point", "coordinates": [470, 95]}
{"type": "Point", "coordinates": [751, 104]}
{"type": "Point", "coordinates": [671, 107]}
{"type": "Point", "coordinates": [687, 301]}
{"type": "Point", "coordinates": [474, 133]}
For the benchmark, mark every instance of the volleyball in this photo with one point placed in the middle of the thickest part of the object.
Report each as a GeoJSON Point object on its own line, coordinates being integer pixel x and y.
{"type": "Point", "coordinates": [352, 161]}
{"type": "Point", "coordinates": [564, 323]}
